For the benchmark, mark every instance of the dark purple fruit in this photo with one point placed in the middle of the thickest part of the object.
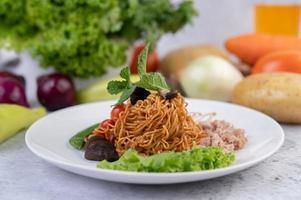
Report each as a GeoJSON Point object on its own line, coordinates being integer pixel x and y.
{"type": "Point", "coordinates": [98, 148]}
{"type": "Point", "coordinates": [12, 92]}
{"type": "Point", "coordinates": [56, 91]}
{"type": "Point", "coordinates": [6, 74]}
{"type": "Point", "coordinates": [139, 94]}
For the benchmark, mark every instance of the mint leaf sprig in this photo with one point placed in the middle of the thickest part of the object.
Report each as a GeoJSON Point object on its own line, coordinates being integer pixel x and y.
{"type": "Point", "coordinates": [149, 81]}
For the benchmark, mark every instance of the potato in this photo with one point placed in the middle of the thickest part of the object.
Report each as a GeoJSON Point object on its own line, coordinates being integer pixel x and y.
{"type": "Point", "coordinates": [276, 94]}
{"type": "Point", "coordinates": [178, 59]}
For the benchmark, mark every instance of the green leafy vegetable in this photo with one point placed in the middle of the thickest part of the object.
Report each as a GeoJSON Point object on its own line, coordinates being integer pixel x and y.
{"type": "Point", "coordinates": [78, 140]}
{"type": "Point", "coordinates": [125, 74]}
{"type": "Point", "coordinates": [151, 81]}
{"type": "Point", "coordinates": [115, 87]}
{"type": "Point", "coordinates": [193, 160]}
{"type": "Point", "coordinates": [126, 94]}
{"type": "Point", "coordinates": [142, 60]}
{"type": "Point", "coordinates": [125, 86]}
{"type": "Point", "coordinates": [83, 38]}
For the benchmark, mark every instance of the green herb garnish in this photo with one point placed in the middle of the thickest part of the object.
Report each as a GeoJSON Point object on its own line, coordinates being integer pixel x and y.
{"type": "Point", "coordinates": [150, 81]}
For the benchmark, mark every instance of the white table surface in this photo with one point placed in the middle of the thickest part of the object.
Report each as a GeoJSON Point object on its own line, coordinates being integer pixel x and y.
{"type": "Point", "coordinates": [23, 176]}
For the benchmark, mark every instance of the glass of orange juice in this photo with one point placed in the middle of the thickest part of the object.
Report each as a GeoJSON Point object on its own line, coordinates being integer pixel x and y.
{"type": "Point", "coordinates": [277, 19]}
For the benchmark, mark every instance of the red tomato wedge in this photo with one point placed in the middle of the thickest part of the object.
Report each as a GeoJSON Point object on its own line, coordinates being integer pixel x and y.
{"type": "Point", "coordinates": [116, 111]}
{"type": "Point", "coordinates": [106, 123]}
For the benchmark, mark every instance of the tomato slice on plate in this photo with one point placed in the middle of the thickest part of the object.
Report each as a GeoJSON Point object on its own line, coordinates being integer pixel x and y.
{"type": "Point", "coordinates": [116, 111]}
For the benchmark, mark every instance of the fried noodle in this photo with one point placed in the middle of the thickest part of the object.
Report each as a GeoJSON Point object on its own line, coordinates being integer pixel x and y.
{"type": "Point", "coordinates": [154, 125]}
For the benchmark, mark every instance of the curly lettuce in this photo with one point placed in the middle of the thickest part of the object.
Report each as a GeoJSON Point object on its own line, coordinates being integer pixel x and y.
{"type": "Point", "coordinates": [194, 160]}
{"type": "Point", "coordinates": [82, 38]}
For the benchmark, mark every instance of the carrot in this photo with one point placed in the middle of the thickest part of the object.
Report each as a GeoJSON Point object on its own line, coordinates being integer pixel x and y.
{"type": "Point", "coordinates": [250, 47]}
{"type": "Point", "coordinates": [286, 61]}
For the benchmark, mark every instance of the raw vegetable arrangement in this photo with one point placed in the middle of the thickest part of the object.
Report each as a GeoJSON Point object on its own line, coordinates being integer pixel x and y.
{"type": "Point", "coordinates": [201, 72]}
{"type": "Point", "coordinates": [251, 47]}
{"type": "Point", "coordinates": [55, 91]}
{"type": "Point", "coordinates": [274, 84]}
{"type": "Point", "coordinates": [150, 130]}
{"type": "Point", "coordinates": [83, 38]}
{"type": "Point", "coordinates": [14, 112]}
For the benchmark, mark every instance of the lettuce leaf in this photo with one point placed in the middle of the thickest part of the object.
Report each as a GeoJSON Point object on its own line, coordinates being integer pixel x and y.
{"type": "Point", "coordinates": [194, 160]}
{"type": "Point", "coordinates": [83, 38]}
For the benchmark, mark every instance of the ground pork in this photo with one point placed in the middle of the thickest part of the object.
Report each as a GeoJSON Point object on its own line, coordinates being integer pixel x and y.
{"type": "Point", "coordinates": [223, 134]}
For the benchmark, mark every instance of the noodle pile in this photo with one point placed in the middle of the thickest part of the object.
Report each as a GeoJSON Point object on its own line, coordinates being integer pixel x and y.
{"type": "Point", "coordinates": [154, 125]}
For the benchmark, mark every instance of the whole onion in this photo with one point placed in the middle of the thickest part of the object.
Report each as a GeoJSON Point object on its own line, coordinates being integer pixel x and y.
{"type": "Point", "coordinates": [210, 77]}
{"type": "Point", "coordinates": [12, 92]}
{"type": "Point", "coordinates": [56, 91]}
{"type": "Point", "coordinates": [6, 74]}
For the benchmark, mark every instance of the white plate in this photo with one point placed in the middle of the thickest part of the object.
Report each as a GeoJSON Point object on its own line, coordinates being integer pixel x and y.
{"type": "Point", "coordinates": [48, 139]}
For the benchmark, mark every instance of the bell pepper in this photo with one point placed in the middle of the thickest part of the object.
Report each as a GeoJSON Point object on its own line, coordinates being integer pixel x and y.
{"type": "Point", "coordinates": [14, 118]}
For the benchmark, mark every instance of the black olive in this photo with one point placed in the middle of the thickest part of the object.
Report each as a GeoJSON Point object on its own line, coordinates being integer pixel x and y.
{"type": "Point", "coordinates": [168, 94]}
{"type": "Point", "coordinates": [98, 148]}
{"type": "Point", "coordinates": [139, 94]}
{"type": "Point", "coordinates": [171, 95]}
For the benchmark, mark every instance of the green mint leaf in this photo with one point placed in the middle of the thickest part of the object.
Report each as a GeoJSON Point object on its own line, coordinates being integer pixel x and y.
{"type": "Point", "coordinates": [142, 59]}
{"type": "Point", "coordinates": [126, 94]}
{"type": "Point", "coordinates": [153, 81]}
{"type": "Point", "coordinates": [125, 74]}
{"type": "Point", "coordinates": [115, 87]}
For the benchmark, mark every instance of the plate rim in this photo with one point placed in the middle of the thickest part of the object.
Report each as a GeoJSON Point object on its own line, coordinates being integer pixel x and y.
{"type": "Point", "coordinates": [231, 168]}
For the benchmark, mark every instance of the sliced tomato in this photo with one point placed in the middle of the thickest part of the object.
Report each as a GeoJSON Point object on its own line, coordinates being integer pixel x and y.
{"type": "Point", "coordinates": [152, 60]}
{"type": "Point", "coordinates": [116, 111]}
